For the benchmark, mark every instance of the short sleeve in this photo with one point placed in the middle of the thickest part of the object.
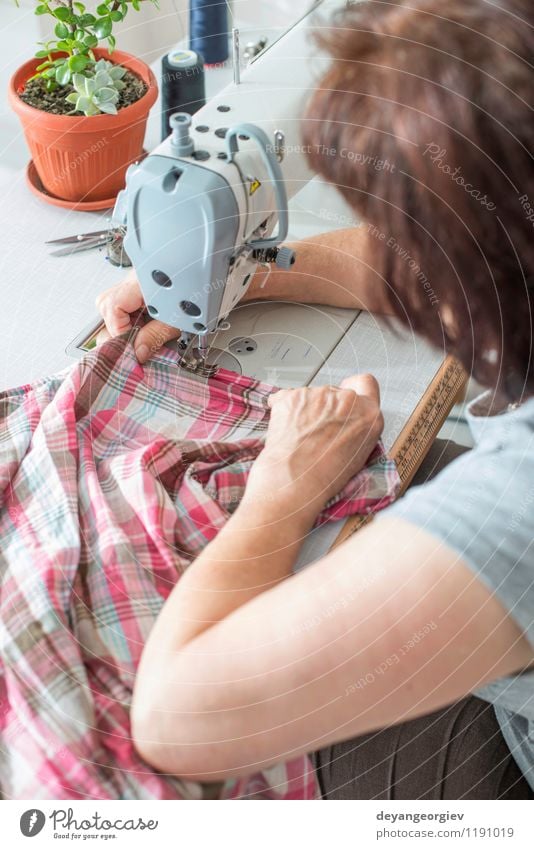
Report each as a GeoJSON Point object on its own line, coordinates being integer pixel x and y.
{"type": "Point", "coordinates": [482, 507]}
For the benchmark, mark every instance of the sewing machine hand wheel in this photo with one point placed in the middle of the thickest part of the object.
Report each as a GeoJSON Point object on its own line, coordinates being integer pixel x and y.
{"type": "Point", "coordinates": [267, 150]}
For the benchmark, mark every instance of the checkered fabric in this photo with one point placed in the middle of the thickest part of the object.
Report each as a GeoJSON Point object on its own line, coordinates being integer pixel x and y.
{"type": "Point", "coordinates": [113, 478]}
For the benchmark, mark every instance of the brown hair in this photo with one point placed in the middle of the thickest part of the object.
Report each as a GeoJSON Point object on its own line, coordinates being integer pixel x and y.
{"type": "Point", "coordinates": [424, 123]}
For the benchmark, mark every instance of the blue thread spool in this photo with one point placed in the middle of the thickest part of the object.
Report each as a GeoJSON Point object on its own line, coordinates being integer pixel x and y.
{"type": "Point", "coordinates": [208, 28]}
{"type": "Point", "coordinates": [182, 85]}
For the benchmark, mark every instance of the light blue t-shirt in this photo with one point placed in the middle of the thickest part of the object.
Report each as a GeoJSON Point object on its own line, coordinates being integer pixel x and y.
{"type": "Point", "coordinates": [482, 507]}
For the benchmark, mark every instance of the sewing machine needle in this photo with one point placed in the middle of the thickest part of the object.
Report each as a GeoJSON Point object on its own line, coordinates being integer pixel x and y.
{"type": "Point", "coordinates": [203, 346]}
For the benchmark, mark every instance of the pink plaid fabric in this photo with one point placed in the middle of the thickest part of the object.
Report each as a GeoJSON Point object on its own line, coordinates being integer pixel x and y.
{"type": "Point", "coordinates": [113, 477]}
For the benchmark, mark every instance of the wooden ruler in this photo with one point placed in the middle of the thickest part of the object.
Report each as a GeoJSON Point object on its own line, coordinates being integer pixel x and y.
{"type": "Point", "coordinates": [412, 444]}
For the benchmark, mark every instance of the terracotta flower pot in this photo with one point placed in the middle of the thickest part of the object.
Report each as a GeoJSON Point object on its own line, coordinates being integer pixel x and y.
{"type": "Point", "coordinates": [84, 158]}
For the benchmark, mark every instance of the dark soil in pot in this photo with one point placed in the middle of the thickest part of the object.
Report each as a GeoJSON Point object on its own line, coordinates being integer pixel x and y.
{"type": "Point", "coordinates": [35, 94]}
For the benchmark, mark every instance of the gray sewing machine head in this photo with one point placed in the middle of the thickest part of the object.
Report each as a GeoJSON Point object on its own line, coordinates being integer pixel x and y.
{"type": "Point", "coordinates": [195, 230]}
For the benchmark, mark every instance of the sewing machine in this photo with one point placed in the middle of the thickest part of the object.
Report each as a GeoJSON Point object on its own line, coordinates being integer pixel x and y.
{"type": "Point", "coordinates": [211, 202]}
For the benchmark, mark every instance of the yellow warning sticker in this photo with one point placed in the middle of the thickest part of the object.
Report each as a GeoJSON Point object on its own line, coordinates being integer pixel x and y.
{"type": "Point", "coordinates": [254, 186]}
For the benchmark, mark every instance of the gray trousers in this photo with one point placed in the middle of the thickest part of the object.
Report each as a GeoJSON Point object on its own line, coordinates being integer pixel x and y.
{"type": "Point", "coordinates": [456, 753]}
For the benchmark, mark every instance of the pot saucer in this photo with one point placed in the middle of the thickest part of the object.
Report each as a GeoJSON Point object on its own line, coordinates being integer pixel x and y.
{"type": "Point", "coordinates": [36, 187]}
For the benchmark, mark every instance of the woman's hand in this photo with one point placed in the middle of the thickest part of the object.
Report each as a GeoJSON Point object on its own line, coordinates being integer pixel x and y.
{"type": "Point", "coordinates": [316, 441]}
{"type": "Point", "coordinates": [118, 304]}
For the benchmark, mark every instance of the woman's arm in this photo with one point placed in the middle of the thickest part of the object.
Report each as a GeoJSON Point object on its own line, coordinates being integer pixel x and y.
{"type": "Point", "coordinates": [244, 669]}
{"type": "Point", "coordinates": [310, 432]}
{"type": "Point", "coordinates": [389, 626]}
{"type": "Point", "coordinates": [330, 269]}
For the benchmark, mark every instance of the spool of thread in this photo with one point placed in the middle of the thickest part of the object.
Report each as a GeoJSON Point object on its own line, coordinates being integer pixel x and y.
{"type": "Point", "coordinates": [182, 85]}
{"type": "Point", "coordinates": [208, 28]}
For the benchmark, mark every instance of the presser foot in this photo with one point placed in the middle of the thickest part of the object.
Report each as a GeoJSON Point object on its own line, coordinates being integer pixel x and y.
{"type": "Point", "coordinates": [197, 356]}
{"type": "Point", "coordinates": [194, 362]}
{"type": "Point", "coordinates": [207, 362]}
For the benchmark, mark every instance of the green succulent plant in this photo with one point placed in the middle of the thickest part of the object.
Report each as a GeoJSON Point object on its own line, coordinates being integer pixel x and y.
{"type": "Point", "coordinates": [99, 93]}
{"type": "Point", "coordinates": [77, 31]}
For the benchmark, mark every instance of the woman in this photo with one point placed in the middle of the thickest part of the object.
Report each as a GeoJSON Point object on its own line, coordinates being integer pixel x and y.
{"type": "Point", "coordinates": [435, 599]}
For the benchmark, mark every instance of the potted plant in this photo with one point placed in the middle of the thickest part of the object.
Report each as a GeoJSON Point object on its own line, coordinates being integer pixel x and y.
{"type": "Point", "coordinates": [83, 106]}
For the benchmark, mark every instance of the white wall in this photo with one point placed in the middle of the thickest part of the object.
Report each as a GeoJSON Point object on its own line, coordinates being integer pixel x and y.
{"type": "Point", "coordinates": [18, 33]}
{"type": "Point", "coordinates": [151, 32]}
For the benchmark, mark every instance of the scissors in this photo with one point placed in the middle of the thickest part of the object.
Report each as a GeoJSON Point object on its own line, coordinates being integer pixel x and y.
{"type": "Point", "coordinates": [112, 239]}
{"type": "Point", "coordinates": [81, 242]}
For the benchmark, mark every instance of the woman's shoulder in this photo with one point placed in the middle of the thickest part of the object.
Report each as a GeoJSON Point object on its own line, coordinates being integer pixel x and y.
{"type": "Point", "coordinates": [484, 500]}
{"type": "Point", "coordinates": [498, 424]}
